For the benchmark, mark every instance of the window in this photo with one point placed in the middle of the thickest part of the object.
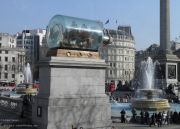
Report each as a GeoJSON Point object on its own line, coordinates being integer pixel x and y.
{"type": "Point", "coordinates": [13, 67]}
{"type": "Point", "coordinates": [13, 75]}
{"type": "Point", "coordinates": [114, 64]}
{"type": "Point", "coordinates": [13, 59]}
{"type": "Point", "coordinates": [5, 75]}
{"type": "Point", "coordinates": [111, 64]}
{"type": "Point", "coordinates": [6, 67]}
{"type": "Point", "coordinates": [0, 51]}
{"type": "Point", "coordinates": [6, 52]}
{"type": "Point", "coordinates": [110, 72]}
{"type": "Point", "coordinates": [0, 38]}
{"type": "Point", "coordinates": [0, 75]}
{"type": "Point", "coordinates": [0, 58]}
{"type": "Point", "coordinates": [0, 44]}
{"type": "Point", "coordinates": [6, 59]}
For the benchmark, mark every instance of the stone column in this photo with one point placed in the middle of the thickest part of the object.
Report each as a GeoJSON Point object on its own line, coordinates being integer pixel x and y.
{"type": "Point", "coordinates": [165, 26]}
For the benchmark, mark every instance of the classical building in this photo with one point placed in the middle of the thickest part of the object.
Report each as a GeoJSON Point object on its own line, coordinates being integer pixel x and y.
{"type": "Point", "coordinates": [12, 64]}
{"type": "Point", "coordinates": [31, 40]}
{"type": "Point", "coordinates": [120, 55]}
{"type": "Point", "coordinates": [7, 40]}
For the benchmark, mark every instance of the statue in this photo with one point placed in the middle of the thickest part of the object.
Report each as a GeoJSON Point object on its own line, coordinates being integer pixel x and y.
{"type": "Point", "coordinates": [75, 37]}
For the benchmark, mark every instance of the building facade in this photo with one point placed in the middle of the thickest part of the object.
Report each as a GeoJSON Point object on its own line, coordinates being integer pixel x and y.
{"type": "Point", "coordinates": [12, 64]}
{"type": "Point", "coordinates": [31, 41]}
{"type": "Point", "coordinates": [120, 55]}
{"type": "Point", "coordinates": [7, 40]}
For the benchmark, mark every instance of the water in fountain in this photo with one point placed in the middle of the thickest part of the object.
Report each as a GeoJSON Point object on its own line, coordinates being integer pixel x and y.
{"type": "Point", "coordinates": [147, 73]}
{"type": "Point", "coordinates": [27, 73]}
{"type": "Point", "coordinates": [148, 95]}
{"type": "Point", "coordinates": [147, 68]}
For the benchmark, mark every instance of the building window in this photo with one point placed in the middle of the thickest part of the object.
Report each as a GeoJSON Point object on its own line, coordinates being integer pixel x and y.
{"type": "Point", "coordinates": [0, 38]}
{"type": "Point", "coordinates": [114, 64]}
{"type": "Point", "coordinates": [5, 75]}
{"type": "Point", "coordinates": [6, 59]}
{"type": "Point", "coordinates": [0, 51]}
{"type": "Point", "coordinates": [111, 64]}
{"type": "Point", "coordinates": [13, 59]}
{"type": "Point", "coordinates": [0, 75]}
{"type": "Point", "coordinates": [13, 75]}
{"type": "Point", "coordinates": [6, 67]}
{"type": "Point", "coordinates": [0, 44]}
{"type": "Point", "coordinates": [6, 52]}
{"type": "Point", "coordinates": [110, 72]}
{"type": "Point", "coordinates": [0, 58]}
{"type": "Point", "coordinates": [13, 67]}
{"type": "Point", "coordinates": [125, 58]}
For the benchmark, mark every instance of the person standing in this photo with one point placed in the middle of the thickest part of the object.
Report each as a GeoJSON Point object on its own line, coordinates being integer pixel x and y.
{"type": "Point", "coordinates": [134, 115]}
{"type": "Point", "coordinates": [142, 117]}
{"type": "Point", "coordinates": [159, 121]}
{"type": "Point", "coordinates": [153, 120]}
{"type": "Point", "coordinates": [112, 87]}
{"type": "Point", "coordinates": [123, 113]}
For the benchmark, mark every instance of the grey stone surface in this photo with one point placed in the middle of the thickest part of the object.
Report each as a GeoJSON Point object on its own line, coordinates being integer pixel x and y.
{"type": "Point", "coordinates": [72, 92]}
{"type": "Point", "coordinates": [165, 25]}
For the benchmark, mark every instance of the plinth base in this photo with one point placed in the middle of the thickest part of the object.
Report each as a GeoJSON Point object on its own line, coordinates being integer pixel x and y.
{"type": "Point", "coordinates": [72, 93]}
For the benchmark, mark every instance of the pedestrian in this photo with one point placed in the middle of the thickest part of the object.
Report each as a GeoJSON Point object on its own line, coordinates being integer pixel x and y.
{"type": "Point", "coordinates": [147, 117]}
{"type": "Point", "coordinates": [159, 119]}
{"type": "Point", "coordinates": [175, 117]}
{"type": "Point", "coordinates": [112, 88]}
{"type": "Point", "coordinates": [167, 121]}
{"type": "Point", "coordinates": [156, 118]}
{"type": "Point", "coordinates": [123, 113]}
{"type": "Point", "coordinates": [142, 117]}
{"type": "Point", "coordinates": [171, 117]}
{"type": "Point", "coordinates": [164, 117]}
{"type": "Point", "coordinates": [134, 114]}
{"type": "Point", "coordinates": [153, 120]}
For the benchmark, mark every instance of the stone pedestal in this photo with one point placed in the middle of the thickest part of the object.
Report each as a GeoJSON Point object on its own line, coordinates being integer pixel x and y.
{"type": "Point", "coordinates": [169, 68]}
{"type": "Point", "coordinates": [72, 94]}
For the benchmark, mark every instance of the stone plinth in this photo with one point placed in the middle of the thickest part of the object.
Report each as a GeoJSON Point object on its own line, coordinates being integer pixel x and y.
{"type": "Point", "coordinates": [72, 93]}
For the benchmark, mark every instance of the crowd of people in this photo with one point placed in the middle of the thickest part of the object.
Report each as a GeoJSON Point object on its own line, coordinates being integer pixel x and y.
{"type": "Point", "coordinates": [153, 119]}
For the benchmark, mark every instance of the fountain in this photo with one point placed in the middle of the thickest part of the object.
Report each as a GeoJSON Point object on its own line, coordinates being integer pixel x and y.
{"type": "Point", "coordinates": [27, 74]}
{"type": "Point", "coordinates": [149, 96]}
{"type": "Point", "coordinates": [27, 86]}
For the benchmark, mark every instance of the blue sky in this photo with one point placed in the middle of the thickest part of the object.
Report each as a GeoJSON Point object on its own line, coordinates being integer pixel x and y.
{"type": "Point", "coordinates": [141, 15]}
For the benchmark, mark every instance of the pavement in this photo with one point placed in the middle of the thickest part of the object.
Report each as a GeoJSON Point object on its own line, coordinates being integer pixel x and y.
{"type": "Point", "coordinates": [116, 125]}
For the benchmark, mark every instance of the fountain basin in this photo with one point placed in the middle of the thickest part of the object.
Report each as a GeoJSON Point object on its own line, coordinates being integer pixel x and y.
{"type": "Point", "coordinates": [25, 88]}
{"type": "Point", "coordinates": [151, 104]}
{"type": "Point", "coordinates": [150, 99]}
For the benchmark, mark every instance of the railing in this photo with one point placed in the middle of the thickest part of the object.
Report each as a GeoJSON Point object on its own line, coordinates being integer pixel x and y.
{"type": "Point", "coordinates": [16, 112]}
{"type": "Point", "coordinates": [11, 105]}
